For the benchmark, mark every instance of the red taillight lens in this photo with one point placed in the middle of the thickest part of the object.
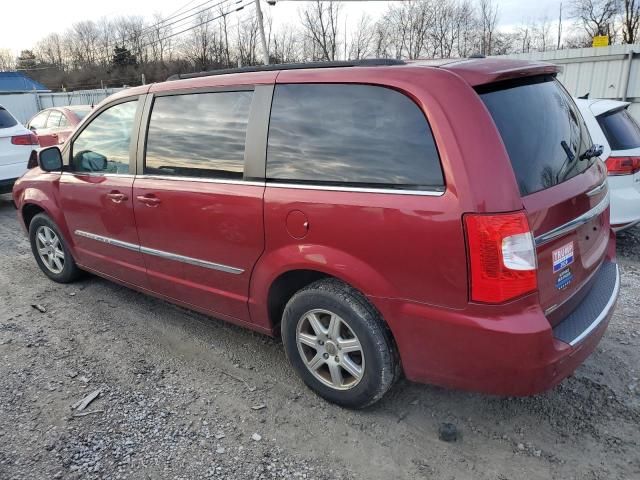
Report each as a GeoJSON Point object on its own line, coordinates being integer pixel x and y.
{"type": "Point", "coordinates": [28, 139]}
{"type": "Point", "coordinates": [623, 165]}
{"type": "Point", "coordinates": [502, 256]}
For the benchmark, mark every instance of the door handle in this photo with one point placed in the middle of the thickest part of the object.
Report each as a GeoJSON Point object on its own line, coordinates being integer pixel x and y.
{"type": "Point", "coordinates": [116, 197]}
{"type": "Point", "coordinates": [148, 201]}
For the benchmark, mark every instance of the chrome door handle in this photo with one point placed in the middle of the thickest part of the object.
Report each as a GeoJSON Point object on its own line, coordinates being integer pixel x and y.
{"type": "Point", "coordinates": [116, 197]}
{"type": "Point", "coordinates": [148, 201]}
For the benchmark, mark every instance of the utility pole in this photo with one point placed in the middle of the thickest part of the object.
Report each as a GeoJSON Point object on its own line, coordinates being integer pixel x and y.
{"type": "Point", "coordinates": [263, 38]}
{"type": "Point", "coordinates": [560, 26]}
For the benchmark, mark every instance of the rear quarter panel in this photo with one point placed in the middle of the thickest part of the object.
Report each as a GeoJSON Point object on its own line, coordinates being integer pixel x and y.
{"type": "Point", "coordinates": [389, 245]}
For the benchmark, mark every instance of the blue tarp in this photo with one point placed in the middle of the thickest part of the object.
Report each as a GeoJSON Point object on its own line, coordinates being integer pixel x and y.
{"type": "Point", "coordinates": [19, 82]}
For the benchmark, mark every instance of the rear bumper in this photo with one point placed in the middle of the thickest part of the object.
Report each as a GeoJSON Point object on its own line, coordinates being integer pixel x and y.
{"type": "Point", "coordinates": [625, 201]}
{"type": "Point", "coordinates": [510, 350]}
{"type": "Point", "coordinates": [6, 185]}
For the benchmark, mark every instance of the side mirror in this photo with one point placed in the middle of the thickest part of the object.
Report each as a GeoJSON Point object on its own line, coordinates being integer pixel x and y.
{"type": "Point", "coordinates": [50, 159]}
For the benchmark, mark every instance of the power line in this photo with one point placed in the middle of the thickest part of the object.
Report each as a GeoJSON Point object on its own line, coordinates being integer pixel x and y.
{"type": "Point", "coordinates": [237, 9]}
{"type": "Point", "coordinates": [163, 24]}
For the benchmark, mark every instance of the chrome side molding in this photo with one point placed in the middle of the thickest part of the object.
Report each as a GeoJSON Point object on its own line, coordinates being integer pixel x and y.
{"type": "Point", "coordinates": [160, 253]}
{"type": "Point", "coordinates": [573, 224]}
{"type": "Point", "coordinates": [593, 192]}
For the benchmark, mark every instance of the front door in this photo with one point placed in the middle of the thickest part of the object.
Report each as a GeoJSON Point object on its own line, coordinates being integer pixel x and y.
{"type": "Point", "coordinates": [96, 194]}
{"type": "Point", "coordinates": [200, 223]}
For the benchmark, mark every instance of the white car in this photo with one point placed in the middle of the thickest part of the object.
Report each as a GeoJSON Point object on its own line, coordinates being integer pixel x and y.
{"type": "Point", "coordinates": [612, 126]}
{"type": "Point", "coordinates": [16, 144]}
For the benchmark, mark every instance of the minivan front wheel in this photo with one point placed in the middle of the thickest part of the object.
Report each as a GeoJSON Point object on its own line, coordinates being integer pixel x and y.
{"type": "Point", "coordinates": [50, 250]}
{"type": "Point", "coordinates": [339, 344]}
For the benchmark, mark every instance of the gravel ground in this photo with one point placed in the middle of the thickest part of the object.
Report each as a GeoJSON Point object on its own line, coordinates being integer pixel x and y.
{"type": "Point", "coordinates": [184, 396]}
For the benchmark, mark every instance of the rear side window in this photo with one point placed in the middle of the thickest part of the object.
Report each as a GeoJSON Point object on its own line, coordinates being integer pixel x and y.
{"type": "Point", "coordinates": [198, 135]}
{"type": "Point", "coordinates": [542, 130]}
{"type": "Point", "coordinates": [54, 119]}
{"type": "Point", "coordinates": [621, 130]}
{"type": "Point", "coordinates": [353, 135]}
{"type": "Point", "coordinates": [6, 119]}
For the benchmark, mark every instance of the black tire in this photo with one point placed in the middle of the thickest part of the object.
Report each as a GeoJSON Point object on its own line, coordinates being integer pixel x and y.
{"type": "Point", "coordinates": [70, 271]}
{"type": "Point", "coordinates": [380, 361]}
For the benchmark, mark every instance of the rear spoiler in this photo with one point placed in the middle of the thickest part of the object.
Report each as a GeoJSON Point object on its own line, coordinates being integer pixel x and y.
{"type": "Point", "coordinates": [491, 70]}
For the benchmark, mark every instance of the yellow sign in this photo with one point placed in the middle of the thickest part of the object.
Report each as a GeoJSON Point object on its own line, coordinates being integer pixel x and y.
{"type": "Point", "coordinates": [600, 41]}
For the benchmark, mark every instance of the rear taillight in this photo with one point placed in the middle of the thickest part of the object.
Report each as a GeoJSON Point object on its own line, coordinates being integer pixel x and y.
{"type": "Point", "coordinates": [502, 256]}
{"type": "Point", "coordinates": [623, 165]}
{"type": "Point", "coordinates": [28, 139]}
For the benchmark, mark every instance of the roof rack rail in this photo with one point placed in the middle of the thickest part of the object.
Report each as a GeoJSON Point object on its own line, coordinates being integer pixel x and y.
{"type": "Point", "coordinates": [369, 62]}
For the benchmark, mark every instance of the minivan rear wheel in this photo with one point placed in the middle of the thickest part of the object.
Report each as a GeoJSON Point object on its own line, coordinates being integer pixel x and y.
{"type": "Point", "coordinates": [339, 344]}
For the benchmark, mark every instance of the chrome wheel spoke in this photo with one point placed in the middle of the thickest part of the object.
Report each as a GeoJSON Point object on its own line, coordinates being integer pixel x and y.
{"type": "Point", "coordinates": [334, 327]}
{"type": "Point", "coordinates": [308, 340]}
{"type": "Point", "coordinates": [315, 323]}
{"type": "Point", "coordinates": [59, 253]}
{"type": "Point", "coordinates": [336, 374]}
{"type": "Point", "coordinates": [58, 263]}
{"type": "Point", "coordinates": [349, 345]}
{"type": "Point", "coordinates": [42, 238]}
{"type": "Point", "coordinates": [351, 368]}
{"type": "Point", "coordinates": [316, 362]}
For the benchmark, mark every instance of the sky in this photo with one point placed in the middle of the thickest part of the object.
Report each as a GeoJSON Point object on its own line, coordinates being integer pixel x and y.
{"type": "Point", "coordinates": [18, 31]}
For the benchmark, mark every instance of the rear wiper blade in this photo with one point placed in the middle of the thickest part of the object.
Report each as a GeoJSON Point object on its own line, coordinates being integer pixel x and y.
{"type": "Point", "coordinates": [593, 151]}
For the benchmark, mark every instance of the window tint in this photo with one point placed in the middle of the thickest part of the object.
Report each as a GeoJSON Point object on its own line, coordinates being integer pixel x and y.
{"type": "Point", "coordinates": [54, 119]}
{"type": "Point", "coordinates": [198, 135]}
{"type": "Point", "coordinates": [621, 130]}
{"type": "Point", "coordinates": [39, 120]}
{"type": "Point", "coordinates": [103, 146]}
{"type": "Point", "coordinates": [542, 130]}
{"type": "Point", "coordinates": [357, 135]}
{"type": "Point", "coordinates": [6, 119]}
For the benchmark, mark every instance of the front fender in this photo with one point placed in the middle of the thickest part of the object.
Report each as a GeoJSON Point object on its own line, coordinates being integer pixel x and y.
{"type": "Point", "coordinates": [319, 258]}
{"type": "Point", "coordinates": [48, 202]}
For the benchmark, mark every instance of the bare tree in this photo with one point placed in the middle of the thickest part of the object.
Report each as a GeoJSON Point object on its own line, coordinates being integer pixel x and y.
{"type": "Point", "coordinates": [7, 60]}
{"type": "Point", "coordinates": [597, 17]}
{"type": "Point", "coordinates": [630, 21]}
{"type": "Point", "coordinates": [362, 38]}
{"type": "Point", "coordinates": [542, 38]}
{"type": "Point", "coordinates": [320, 25]}
{"type": "Point", "coordinates": [489, 22]}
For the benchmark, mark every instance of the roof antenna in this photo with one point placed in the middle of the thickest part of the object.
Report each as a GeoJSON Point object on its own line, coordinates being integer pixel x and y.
{"type": "Point", "coordinates": [585, 96]}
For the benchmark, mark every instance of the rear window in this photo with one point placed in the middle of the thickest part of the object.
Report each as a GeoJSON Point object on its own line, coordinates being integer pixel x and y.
{"type": "Point", "coordinates": [350, 135]}
{"type": "Point", "coordinates": [6, 119]}
{"type": "Point", "coordinates": [621, 130]}
{"type": "Point", "coordinates": [542, 130]}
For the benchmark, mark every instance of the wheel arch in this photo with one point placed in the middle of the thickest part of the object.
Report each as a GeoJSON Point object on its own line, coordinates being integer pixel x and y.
{"type": "Point", "coordinates": [281, 273]}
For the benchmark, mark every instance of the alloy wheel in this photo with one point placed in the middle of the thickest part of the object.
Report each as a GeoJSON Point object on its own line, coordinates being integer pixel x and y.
{"type": "Point", "coordinates": [50, 249]}
{"type": "Point", "coordinates": [330, 349]}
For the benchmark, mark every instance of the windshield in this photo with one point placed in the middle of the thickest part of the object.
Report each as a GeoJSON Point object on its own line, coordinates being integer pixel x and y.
{"type": "Point", "coordinates": [6, 119]}
{"type": "Point", "coordinates": [542, 130]}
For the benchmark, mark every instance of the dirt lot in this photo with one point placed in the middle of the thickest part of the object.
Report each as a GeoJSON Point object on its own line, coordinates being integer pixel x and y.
{"type": "Point", "coordinates": [179, 392]}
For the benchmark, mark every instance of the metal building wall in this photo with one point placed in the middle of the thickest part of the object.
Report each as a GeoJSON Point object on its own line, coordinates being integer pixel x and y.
{"type": "Point", "coordinates": [605, 72]}
{"type": "Point", "coordinates": [23, 106]}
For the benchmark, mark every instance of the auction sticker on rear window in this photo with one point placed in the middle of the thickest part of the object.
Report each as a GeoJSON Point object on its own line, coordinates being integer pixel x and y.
{"type": "Point", "coordinates": [562, 257]}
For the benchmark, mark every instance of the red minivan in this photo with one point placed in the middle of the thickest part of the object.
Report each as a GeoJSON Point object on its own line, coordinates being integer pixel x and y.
{"type": "Point", "coordinates": [449, 221]}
